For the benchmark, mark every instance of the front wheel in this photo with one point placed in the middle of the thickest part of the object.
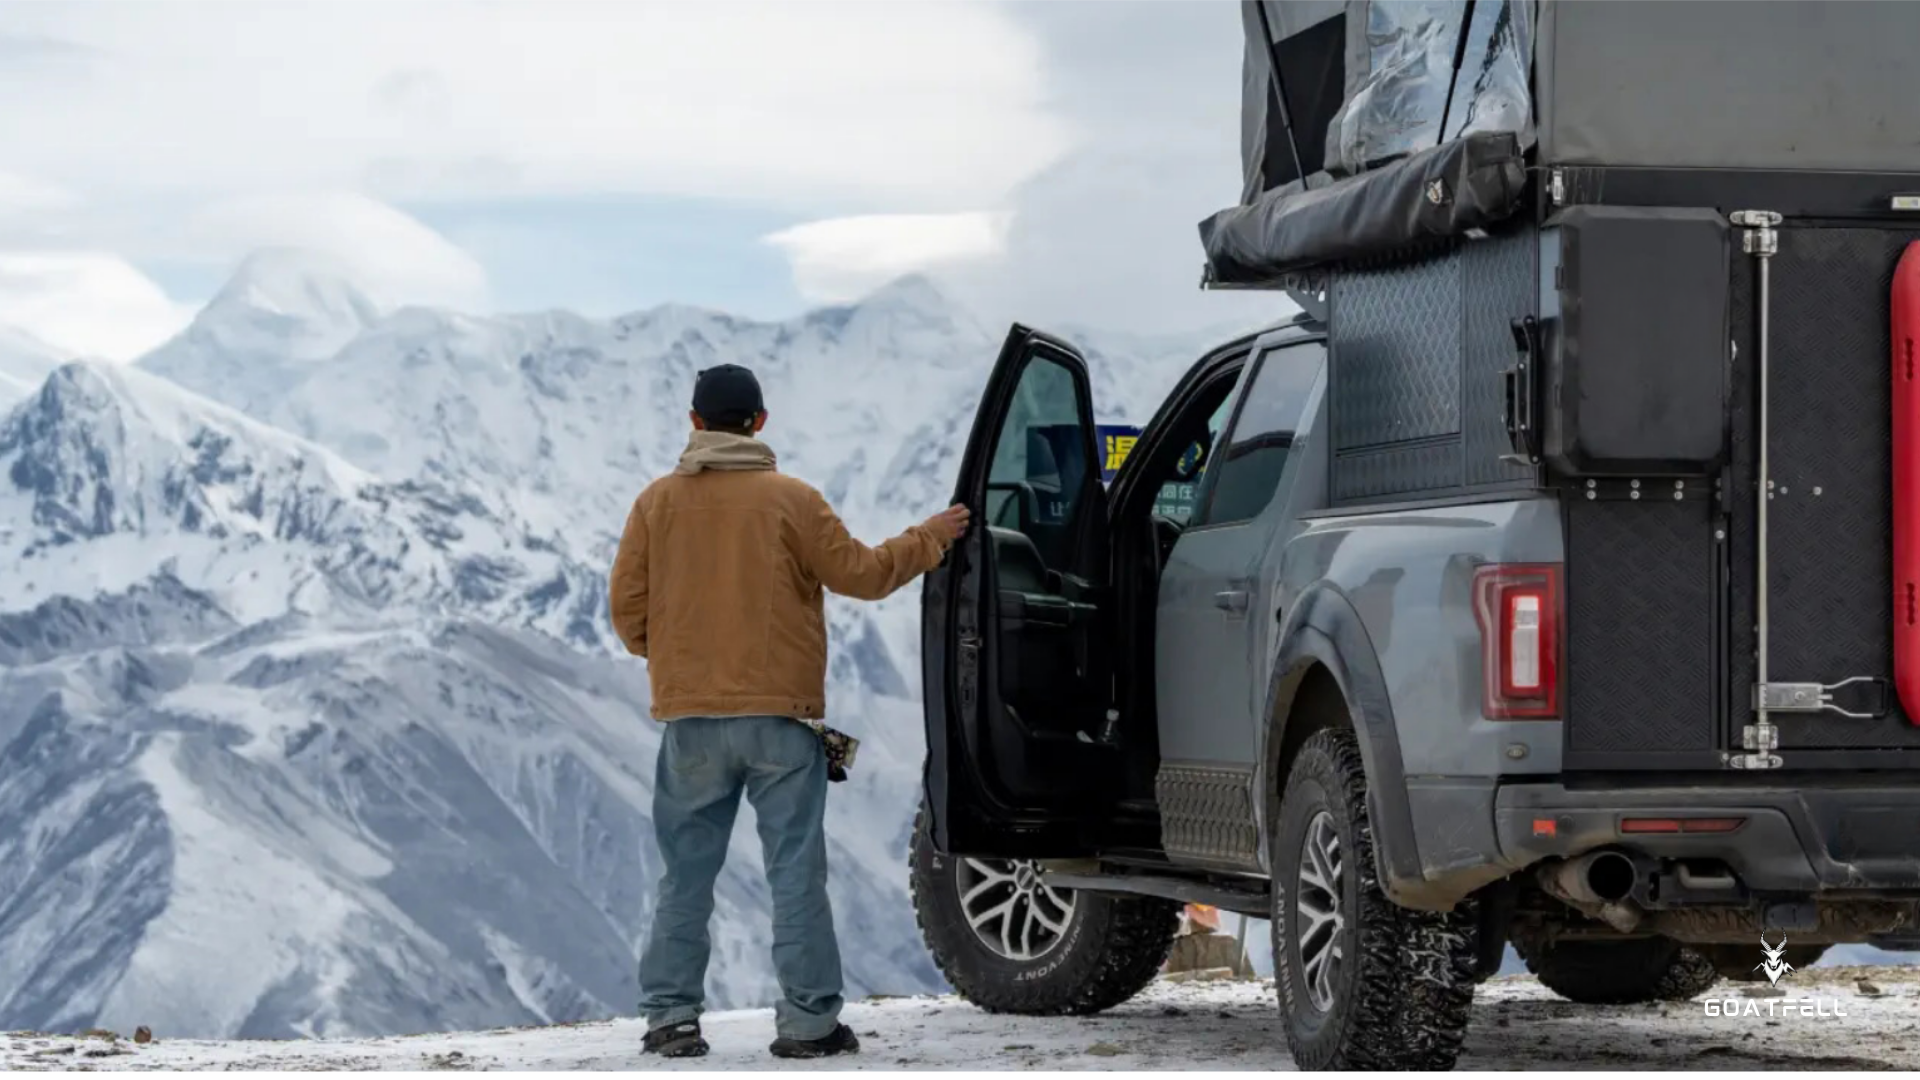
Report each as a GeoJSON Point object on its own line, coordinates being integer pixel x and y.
{"type": "Point", "coordinates": [1363, 982]}
{"type": "Point", "coordinates": [1010, 943]}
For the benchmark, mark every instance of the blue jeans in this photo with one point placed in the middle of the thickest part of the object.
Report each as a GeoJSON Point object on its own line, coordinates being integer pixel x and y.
{"type": "Point", "coordinates": [705, 764]}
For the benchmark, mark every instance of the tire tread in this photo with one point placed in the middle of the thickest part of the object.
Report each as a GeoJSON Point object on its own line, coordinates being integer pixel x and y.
{"type": "Point", "coordinates": [1416, 969]}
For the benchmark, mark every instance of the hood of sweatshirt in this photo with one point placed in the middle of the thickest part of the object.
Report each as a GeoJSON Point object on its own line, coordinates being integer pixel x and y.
{"type": "Point", "coordinates": [721, 451]}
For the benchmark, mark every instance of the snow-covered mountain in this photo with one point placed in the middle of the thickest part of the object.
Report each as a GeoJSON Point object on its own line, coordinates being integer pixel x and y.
{"type": "Point", "coordinates": [310, 719]}
{"type": "Point", "coordinates": [282, 308]}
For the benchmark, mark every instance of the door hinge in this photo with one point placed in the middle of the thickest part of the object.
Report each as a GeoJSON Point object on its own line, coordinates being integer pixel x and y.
{"type": "Point", "coordinates": [1761, 237]}
{"type": "Point", "coordinates": [1760, 740]}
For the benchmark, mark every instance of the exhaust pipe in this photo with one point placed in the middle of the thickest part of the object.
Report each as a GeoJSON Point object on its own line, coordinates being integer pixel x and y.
{"type": "Point", "coordinates": [1597, 883]}
{"type": "Point", "coordinates": [1602, 877]}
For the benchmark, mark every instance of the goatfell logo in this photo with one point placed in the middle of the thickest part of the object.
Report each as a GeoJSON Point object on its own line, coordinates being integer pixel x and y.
{"type": "Point", "coordinates": [1771, 1002]}
{"type": "Point", "coordinates": [1775, 966]}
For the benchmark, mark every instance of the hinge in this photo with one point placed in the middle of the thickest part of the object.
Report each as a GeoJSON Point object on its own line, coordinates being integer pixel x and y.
{"type": "Point", "coordinates": [1760, 239]}
{"type": "Point", "coordinates": [1760, 741]}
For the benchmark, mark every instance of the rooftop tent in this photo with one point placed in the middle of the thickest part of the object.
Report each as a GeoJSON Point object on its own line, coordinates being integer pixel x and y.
{"type": "Point", "coordinates": [1309, 39]}
{"type": "Point", "coordinates": [1365, 82]}
{"type": "Point", "coordinates": [1390, 122]}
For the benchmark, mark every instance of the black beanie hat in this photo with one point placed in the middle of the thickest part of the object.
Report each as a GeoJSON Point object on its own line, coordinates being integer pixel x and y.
{"type": "Point", "coordinates": [728, 395]}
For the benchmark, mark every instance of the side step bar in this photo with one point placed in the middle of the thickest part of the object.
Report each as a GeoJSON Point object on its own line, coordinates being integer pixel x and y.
{"type": "Point", "coordinates": [1251, 901]}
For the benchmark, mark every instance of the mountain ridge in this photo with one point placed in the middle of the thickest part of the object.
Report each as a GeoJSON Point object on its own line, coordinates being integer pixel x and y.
{"type": "Point", "coordinates": [337, 617]}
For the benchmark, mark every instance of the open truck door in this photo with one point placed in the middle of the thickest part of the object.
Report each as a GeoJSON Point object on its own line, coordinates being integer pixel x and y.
{"type": "Point", "coordinates": [1016, 683]}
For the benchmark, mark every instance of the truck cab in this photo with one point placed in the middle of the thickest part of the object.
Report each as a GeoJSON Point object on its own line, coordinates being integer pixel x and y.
{"type": "Point", "coordinates": [1549, 580]}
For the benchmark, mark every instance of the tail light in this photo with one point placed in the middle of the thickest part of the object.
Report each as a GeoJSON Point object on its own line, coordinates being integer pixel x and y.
{"type": "Point", "coordinates": [1681, 825]}
{"type": "Point", "coordinates": [1518, 609]}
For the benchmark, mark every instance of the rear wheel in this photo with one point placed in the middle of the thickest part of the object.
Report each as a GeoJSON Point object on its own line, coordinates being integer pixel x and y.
{"type": "Point", "coordinates": [1735, 962]}
{"type": "Point", "coordinates": [1621, 972]}
{"type": "Point", "coordinates": [1363, 983]}
{"type": "Point", "coordinates": [1008, 942]}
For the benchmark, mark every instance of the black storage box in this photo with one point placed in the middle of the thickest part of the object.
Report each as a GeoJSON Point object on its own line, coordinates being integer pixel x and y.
{"type": "Point", "coordinates": [1638, 349]}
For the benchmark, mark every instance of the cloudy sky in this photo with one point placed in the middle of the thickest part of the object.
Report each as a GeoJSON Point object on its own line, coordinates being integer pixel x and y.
{"type": "Point", "coordinates": [1045, 160]}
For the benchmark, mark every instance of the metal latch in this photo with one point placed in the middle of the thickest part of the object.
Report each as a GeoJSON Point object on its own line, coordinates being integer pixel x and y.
{"type": "Point", "coordinates": [1794, 697]}
{"type": "Point", "coordinates": [1522, 433]}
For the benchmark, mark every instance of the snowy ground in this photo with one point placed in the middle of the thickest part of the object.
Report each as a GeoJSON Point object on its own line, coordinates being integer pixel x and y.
{"type": "Point", "coordinates": [1212, 1026]}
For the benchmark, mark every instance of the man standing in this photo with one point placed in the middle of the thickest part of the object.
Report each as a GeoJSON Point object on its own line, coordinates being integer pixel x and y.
{"type": "Point", "coordinates": [718, 584]}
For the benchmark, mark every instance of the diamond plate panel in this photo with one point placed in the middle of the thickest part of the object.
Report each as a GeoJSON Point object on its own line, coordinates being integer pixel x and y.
{"type": "Point", "coordinates": [1396, 470]}
{"type": "Point", "coordinates": [1640, 597]}
{"type": "Point", "coordinates": [1501, 278]}
{"type": "Point", "coordinates": [1830, 554]}
{"type": "Point", "coordinates": [1396, 353]}
{"type": "Point", "coordinates": [1206, 814]}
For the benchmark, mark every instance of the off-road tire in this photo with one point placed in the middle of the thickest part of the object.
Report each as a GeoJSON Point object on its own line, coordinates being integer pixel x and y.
{"type": "Point", "coordinates": [1112, 948]}
{"type": "Point", "coordinates": [1736, 963]}
{"type": "Point", "coordinates": [1629, 972]}
{"type": "Point", "coordinates": [1405, 993]}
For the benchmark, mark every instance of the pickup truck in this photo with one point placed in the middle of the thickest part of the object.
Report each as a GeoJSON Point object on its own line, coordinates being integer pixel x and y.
{"type": "Point", "coordinates": [1549, 580]}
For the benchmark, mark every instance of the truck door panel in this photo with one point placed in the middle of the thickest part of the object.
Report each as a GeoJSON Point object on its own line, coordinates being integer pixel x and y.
{"type": "Point", "coordinates": [1014, 690]}
{"type": "Point", "coordinates": [1211, 596]}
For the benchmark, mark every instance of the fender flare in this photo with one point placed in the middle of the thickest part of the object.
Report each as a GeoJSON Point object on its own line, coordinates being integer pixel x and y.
{"type": "Point", "coordinates": [1325, 629]}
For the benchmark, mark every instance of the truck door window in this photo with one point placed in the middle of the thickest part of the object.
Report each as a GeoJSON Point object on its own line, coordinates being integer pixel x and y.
{"type": "Point", "coordinates": [1247, 473]}
{"type": "Point", "coordinates": [1180, 495]}
{"type": "Point", "coordinates": [1039, 468]}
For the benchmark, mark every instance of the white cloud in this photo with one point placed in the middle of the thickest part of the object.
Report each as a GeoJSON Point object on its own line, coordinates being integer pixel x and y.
{"type": "Point", "coordinates": [21, 195]}
{"type": "Point", "coordinates": [922, 106]}
{"type": "Point", "coordinates": [86, 304]}
{"type": "Point", "coordinates": [392, 256]}
{"type": "Point", "coordinates": [1110, 239]}
{"type": "Point", "coordinates": [841, 259]}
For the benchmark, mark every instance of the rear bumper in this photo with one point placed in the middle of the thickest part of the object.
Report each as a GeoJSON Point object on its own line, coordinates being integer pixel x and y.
{"type": "Point", "coordinates": [1795, 841]}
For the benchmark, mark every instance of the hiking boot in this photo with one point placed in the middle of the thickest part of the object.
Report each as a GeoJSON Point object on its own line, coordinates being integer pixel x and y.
{"type": "Point", "coordinates": [840, 1040]}
{"type": "Point", "coordinates": [676, 1041]}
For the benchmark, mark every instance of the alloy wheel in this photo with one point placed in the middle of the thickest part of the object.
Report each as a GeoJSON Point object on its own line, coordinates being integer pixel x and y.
{"type": "Point", "coordinates": [1011, 910]}
{"type": "Point", "coordinates": [1319, 922]}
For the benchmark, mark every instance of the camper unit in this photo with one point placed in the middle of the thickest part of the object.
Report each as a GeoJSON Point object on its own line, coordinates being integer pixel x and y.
{"type": "Point", "coordinates": [1644, 257]}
